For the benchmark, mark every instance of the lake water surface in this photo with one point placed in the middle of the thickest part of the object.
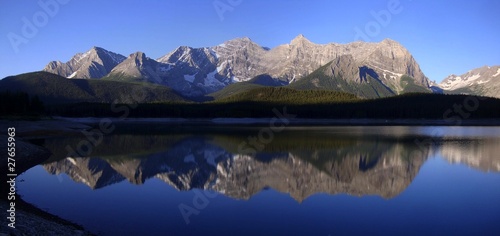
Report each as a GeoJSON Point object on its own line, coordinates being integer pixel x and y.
{"type": "Point", "coordinates": [300, 181]}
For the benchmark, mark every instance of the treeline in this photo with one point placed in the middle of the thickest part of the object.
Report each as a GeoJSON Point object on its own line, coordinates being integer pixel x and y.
{"type": "Point", "coordinates": [411, 106]}
{"type": "Point", "coordinates": [55, 89]}
{"type": "Point", "coordinates": [20, 104]}
{"type": "Point", "coordinates": [408, 83]}
{"type": "Point", "coordinates": [282, 95]}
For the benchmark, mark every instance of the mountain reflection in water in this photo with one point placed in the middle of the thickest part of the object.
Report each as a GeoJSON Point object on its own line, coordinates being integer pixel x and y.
{"type": "Point", "coordinates": [298, 162]}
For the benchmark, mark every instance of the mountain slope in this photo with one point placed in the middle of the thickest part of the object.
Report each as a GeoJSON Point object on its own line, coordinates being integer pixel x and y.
{"type": "Point", "coordinates": [137, 67]}
{"type": "Point", "coordinates": [241, 59]}
{"type": "Point", "coordinates": [344, 74]}
{"type": "Point", "coordinates": [257, 82]}
{"type": "Point", "coordinates": [484, 81]}
{"type": "Point", "coordinates": [93, 64]}
{"type": "Point", "coordinates": [53, 89]}
{"type": "Point", "coordinates": [283, 95]}
{"type": "Point", "coordinates": [193, 71]}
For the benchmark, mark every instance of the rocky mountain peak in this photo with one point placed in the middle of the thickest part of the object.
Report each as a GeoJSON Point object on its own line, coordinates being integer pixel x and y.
{"type": "Point", "coordinates": [238, 41]}
{"type": "Point", "coordinates": [95, 49]}
{"type": "Point", "coordinates": [137, 67]}
{"type": "Point", "coordinates": [177, 55]}
{"type": "Point", "coordinates": [93, 64]}
{"type": "Point", "coordinates": [243, 39]}
{"type": "Point", "coordinates": [483, 81]}
{"type": "Point", "coordinates": [300, 40]}
{"type": "Point", "coordinates": [389, 41]}
{"type": "Point", "coordinates": [138, 56]}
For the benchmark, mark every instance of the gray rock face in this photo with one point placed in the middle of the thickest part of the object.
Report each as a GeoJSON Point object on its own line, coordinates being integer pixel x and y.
{"type": "Point", "coordinates": [138, 67]}
{"type": "Point", "coordinates": [199, 71]}
{"type": "Point", "coordinates": [93, 64]}
{"type": "Point", "coordinates": [391, 59]}
{"type": "Point", "coordinates": [345, 74]}
{"type": "Point", "coordinates": [484, 81]}
{"type": "Point", "coordinates": [344, 67]}
{"type": "Point", "coordinates": [185, 70]}
{"type": "Point", "coordinates": [291, 62]}
{"type": "Point", "coordinates": [193, 71]}
{"type": "Point", "coordinates": [241, 59]}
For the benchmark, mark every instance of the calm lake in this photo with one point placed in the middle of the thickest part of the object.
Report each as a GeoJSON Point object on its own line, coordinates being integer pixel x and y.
{"type": "Point", "coordinates": [298, 181]}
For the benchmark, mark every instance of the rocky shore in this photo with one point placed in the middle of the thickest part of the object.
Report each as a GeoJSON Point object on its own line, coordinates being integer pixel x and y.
{"type": "Point", "coordinates": [29, 220]}
{"type": "Point", "coordinates": [33, 221]}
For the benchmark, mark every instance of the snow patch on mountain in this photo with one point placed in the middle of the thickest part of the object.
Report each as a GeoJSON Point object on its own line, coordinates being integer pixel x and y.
{"type": "Point", "coordinates": [165, 168]}
{"type": "Point", "coordinates": [474, 77]}
{"type": "Point", "coordinates": [456, 82]}
{"type": "Point", "coordinates": [189, 158]}
{"type": "Point", "coordinates": [72, 75]}
{"type": "Point", "coordinates": [80, 56]}
{"type": "Point", "coordinates": [214, 53]}
{"type": "Point", "coordinates": [210, 156]}
{"type": "Point", "coordinates": [393, 75]}
{"type": "Point", "coordinates": [452, 82]}
{"type": "Point", "coordinates": [70, 159]}
{"type": "Point", "coordinates": [221, 67]}
{"type": "Point", "coordinates": [482, 82]}
{"type": "Point", "coordinates": [211, 80]}
{"type": "Point", "coordinates": [165, 67]}
{"type": "Point", "coordinates": [498, 73]}
{"type": "Point", "coordinates": [236, 79]}
{"type": "Point", "coordinates": [190, 78]}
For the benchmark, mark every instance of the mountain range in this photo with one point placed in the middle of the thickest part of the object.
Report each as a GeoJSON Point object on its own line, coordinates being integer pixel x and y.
{"type": "Point", "coordinates": [367, 70]}
{"type": "Point", "coordinates": [364, 69]}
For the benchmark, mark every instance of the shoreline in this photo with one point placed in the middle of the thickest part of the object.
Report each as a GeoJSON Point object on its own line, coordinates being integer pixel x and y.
{"type": "Point", "coordinates": [289, 121]}
{"type": "Point", "coordinates": [72, 126]}
{"type": "Point", "coordinates": [31, 220]}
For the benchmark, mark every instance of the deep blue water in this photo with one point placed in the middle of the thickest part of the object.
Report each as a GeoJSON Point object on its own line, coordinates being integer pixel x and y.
{"type": "Point", "coordinates": [303, 181]}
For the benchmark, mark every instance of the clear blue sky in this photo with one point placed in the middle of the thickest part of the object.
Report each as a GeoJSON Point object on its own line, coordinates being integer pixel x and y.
{"type": "Point", "coordinates": [445, 37]}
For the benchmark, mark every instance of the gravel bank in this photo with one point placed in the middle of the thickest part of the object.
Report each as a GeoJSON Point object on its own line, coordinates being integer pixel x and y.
{"type": "Point", "coordinates": [29, 219]}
